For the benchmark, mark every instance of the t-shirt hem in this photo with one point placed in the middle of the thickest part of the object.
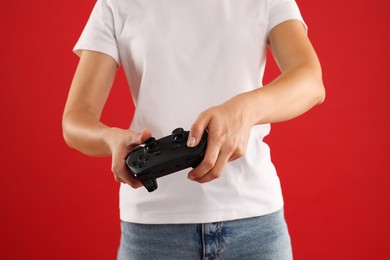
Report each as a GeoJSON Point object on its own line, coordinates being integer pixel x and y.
{"type": "Point", "coordinates": [195, 218]}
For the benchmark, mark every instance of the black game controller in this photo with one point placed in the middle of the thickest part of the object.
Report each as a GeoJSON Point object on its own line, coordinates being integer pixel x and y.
{"type": "Point", "coordinates": [164, 156]}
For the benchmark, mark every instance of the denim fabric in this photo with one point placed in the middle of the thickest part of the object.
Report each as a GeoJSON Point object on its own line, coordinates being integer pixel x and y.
{"type": "Point", "coordinates": [264, 237]}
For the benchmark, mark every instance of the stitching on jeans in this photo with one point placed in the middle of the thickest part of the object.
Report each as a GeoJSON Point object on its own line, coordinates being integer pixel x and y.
{"type": "Point", "coordinates": [203, 242]}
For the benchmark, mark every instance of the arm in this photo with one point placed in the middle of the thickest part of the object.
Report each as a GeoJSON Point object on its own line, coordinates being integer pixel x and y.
{"type": "Point", "coordinates": [81, 124]}
{"type": "Point", "coordinates": [295, 91]}
{"type": "Point", "coordinates": [299, 87]}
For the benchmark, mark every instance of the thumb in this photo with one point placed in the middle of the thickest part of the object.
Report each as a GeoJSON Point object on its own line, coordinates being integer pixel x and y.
{"type": "Point", "coordinates": [197, 130]}
{"type": "Point", "coordinates": [137, 138]}
{"type": "Point", "coordinates": [144, 135]}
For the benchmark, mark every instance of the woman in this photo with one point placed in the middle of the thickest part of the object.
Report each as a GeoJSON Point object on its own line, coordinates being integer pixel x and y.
{"type": "Point", "coordinates": [197, 65]}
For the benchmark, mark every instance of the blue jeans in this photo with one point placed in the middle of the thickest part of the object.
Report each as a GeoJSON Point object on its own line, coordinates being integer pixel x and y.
{"type": "Point", "coordinates": [264, 237]}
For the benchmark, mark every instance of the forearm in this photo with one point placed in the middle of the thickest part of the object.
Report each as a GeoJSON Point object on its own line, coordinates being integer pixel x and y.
{"type": "Point", "coordinates": [85, 133]}
{"type": "Point", "coordinates": [291, 94]}
{"type": "Point", "coordinates": [89, 90]}
{"type": "Point", "coordinates": [296, 90]}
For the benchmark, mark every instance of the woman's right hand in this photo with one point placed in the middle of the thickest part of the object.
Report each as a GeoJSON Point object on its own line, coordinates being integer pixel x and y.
{"type": "Point", "coordinates": [121, 142]}
{"type": "Point", "coordinates": [81, 124]}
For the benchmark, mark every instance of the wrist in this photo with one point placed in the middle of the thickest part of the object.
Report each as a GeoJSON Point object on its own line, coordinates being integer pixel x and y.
{"type": "Point", "coordinates": [110, 137]}
{"type": "Point", "coordinates": [250, 106]}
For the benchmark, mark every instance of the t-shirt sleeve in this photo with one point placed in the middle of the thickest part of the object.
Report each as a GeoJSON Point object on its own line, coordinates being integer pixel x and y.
{"type": "Point", "coordinates": [282, 10]}
{"type": "Point", "coordinates": [99, 32]}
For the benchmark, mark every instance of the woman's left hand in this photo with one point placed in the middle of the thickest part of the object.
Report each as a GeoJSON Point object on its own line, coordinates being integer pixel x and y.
{"type": "Point", "coordinates": [228, 127]}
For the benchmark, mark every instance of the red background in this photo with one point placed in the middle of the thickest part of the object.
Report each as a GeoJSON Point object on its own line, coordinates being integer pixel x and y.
{"type": "Point", "coordinates": [333, 162]}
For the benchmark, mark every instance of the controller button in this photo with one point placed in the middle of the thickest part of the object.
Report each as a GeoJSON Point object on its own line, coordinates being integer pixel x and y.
{"type": "Point", "coordinates": [138, 164]}
{"type": "Point", "coordinates": [134, 164]}
{"type": "Point", "coordinates": [151, 140]}
{"type": "Point", "coordinates": [176, 146]}
{"type": "Point", "coordinates": [151, 145]}
{"type": "Point", "coordinates": [177, 135]}
{"type": "Point", "coordinates": [178, 131]}
{"type": "Point", "coordinates": [144, 157]}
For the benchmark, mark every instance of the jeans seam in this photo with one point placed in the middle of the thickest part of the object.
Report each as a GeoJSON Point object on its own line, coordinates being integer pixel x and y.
{"type": "Point", "coordinates": [203, 242]}
{"type": "Point", "coordinates": [219, 239]}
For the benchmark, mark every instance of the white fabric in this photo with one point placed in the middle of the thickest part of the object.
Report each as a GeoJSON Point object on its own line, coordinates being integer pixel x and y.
{"type": "Point", "coordinates": [181, 57]}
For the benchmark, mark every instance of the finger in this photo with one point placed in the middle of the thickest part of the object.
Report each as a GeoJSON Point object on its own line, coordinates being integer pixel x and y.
{"type": "Point", "coordinates": [129, 179]}
{"type": "Point", "coordinates": [145, 135]}
{"type": "Point", "coordinates": [137, 138]}
{"type": "Point", "coordinates": [239, 152]}
{"type": "Point", "coordinates": [135, 184]}
{"type": "Point", "coordinates": [197, 129]}
{"type": "Point", "coordinates": [122, 174]}
{"type": "Point", "coordinates": [118, 179]}
{"type": "Point", "coordinates": [208, 162]}
{"type": "Point", "coordinates": [216, 171]}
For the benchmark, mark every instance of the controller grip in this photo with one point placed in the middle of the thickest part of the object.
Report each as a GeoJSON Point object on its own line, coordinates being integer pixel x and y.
{"type": "Point", "coordinates": [150, 184]}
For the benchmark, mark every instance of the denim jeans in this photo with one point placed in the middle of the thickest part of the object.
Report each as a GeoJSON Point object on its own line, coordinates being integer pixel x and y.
{"type": "Point", "coordinates": [257, 238]}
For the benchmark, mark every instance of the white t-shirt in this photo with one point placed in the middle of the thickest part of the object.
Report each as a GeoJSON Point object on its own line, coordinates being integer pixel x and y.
{"type": "Point", "coordinates": [181, 57]}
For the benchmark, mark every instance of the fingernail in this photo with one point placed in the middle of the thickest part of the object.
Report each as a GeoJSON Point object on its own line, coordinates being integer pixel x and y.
{"type": "Point", "coordinates": [191, 177]}
{"type": "Point", "coordinates": [191, 141]}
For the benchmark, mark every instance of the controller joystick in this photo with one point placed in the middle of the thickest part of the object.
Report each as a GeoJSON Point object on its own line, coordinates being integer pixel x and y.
{"type": "Point", "coordinates": [151, 145]}
{"type": "Point", "coordinates": [164, 156]}
{"type": "Point", "coordinates": [177, 135]}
